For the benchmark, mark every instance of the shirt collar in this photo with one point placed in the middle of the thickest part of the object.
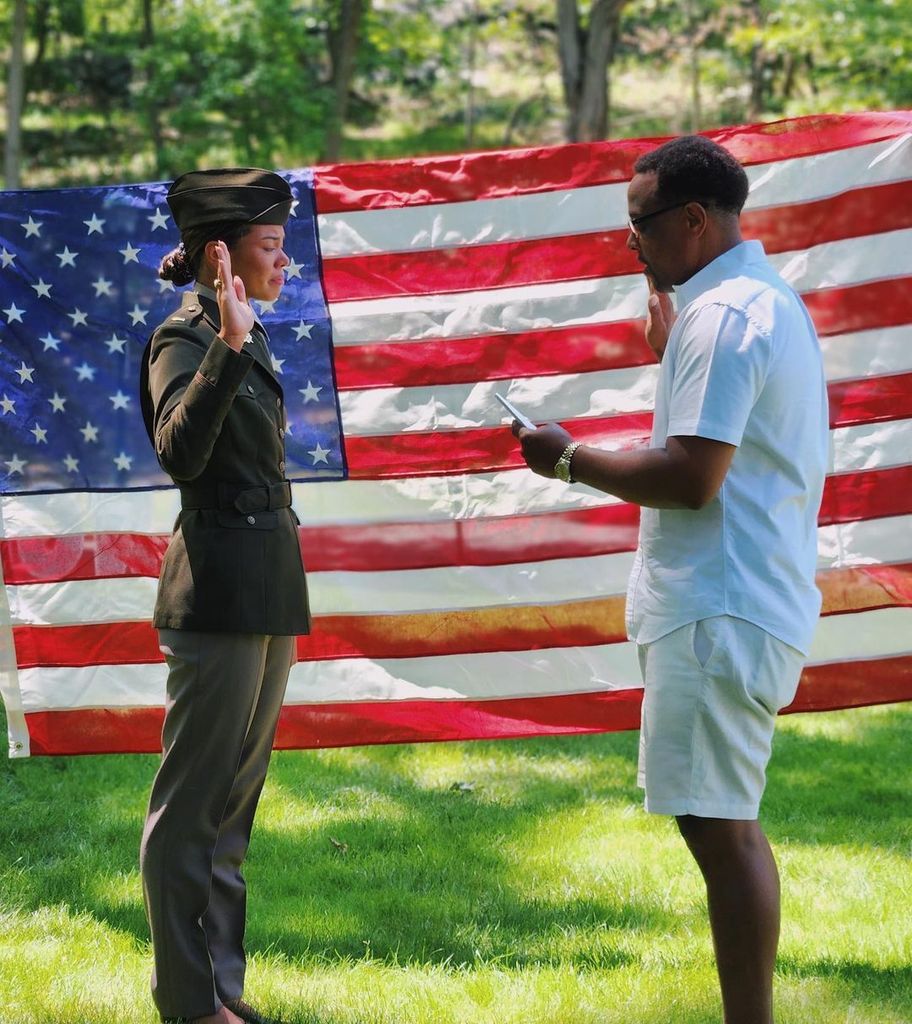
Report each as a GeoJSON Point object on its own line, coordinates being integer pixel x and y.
{"type": "Point", "coordinates": [720, 269]}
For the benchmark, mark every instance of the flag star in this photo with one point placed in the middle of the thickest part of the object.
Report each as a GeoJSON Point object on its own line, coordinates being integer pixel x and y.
{"type": "Point", "coordinates": [7, 404]}
{"type": "Point", "coordinates": [311, 393]}
{"type": "Point", "coordinates": [78, 317]}
{"type": "Point", "coordinates": [293, 269]}
{"type": "Point", "coordinates": [42, 288]}
{"type": "Point", "coordinates": [94, 224]}
{"type": "Point", "coordinates": [85, 372]}
{"type": "Point", "coordinates": [89, 432]}
{"type": "Point", "coordinates": [25, 373]}
{"type": "Point", "coordinates": [40, 434]}
{"type": "Point", "coordinates": [32, 227]}
{"type": "Point", "coordinates": [67, 258]}
{"type": "Point", "coordinates": [13, 313]}
{"type": "Point", "coordinates": [50, 342]}
{"type": "Point", "coordinates": [123, 461]}
{"type": "Point", "coordinates": [57, 403]}
{"type": "Point", "coordinates": [319, 454]}
{"type": "Point", "coordinates": [138, 315]}
{"type": "Point", "coordinates": [158, 220]}
{"type": "Point", "coordinates": [303, 330]}
{"type": "Point", "coordinates": [130, 254]}
{"type": "Point", "coordinates": [115, 344]}
{"type": "Point", "coordinates": [7, 257]}
{"type": "Point", "coordinates": [277, 364]}
{"type": "Point", "coordinates": [165, 286]}
{"type": "Point", "coordinates": [120, 400]}
{"type": "Point", "coordinates": [266, 307]}
{"type": "Point", "coordinates": [102, 287]}
{"type": "Point", "coordinates": [72, 465]}
{"type": "Point", "coordinates": [294, 207]}
{"type": "Point", "coordinates": [17, 465]}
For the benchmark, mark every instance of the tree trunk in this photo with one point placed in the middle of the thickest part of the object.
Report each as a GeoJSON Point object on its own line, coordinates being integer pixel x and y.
{"type": "Point", "coordinates": [15, 97]}
{"type": "Point", "coordinates": [343, 48]}
{"type": "Point", "coordinates": [148, 39]}
{"type": "Point", "coordinates": [758, 66]}
{"type": "Point", "coordinates": [585, 57]}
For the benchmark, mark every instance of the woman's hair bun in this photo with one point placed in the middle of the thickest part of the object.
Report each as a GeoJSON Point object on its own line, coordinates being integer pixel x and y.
{"type": "Point", "coordinates": [176, 267]}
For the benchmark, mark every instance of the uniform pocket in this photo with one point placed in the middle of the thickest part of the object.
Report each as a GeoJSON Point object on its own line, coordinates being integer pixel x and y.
{"type": "Point", "coordinates": [266, 520]}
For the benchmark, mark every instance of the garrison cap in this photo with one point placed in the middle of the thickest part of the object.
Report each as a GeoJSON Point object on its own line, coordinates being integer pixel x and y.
{"type": "Point", "coordinates": [244, 194]}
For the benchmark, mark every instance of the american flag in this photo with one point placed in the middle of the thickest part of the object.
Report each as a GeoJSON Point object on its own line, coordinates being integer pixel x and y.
{"type": "Point", "coordinates": [456, 595]}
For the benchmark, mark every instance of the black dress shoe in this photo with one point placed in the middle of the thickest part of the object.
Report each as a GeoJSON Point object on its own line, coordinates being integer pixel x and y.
{"type": "Point", "coordinates": [248, 1014]}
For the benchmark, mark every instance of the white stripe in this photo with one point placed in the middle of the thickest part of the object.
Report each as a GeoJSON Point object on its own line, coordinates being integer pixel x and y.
{"type": "Point", "coordinates": [593, 208]}
{"type": "Point", "coordinates": [886, 632]}
{"type": "Point", "coordinates": [866, 542]}
{"type": "Point", "coordinates": [452, 406]}
{"type": "Point", "coordinates": [875, 634]}
{"type": "Point", "coordinates": [849, 261]}
{"type": "Point", "coordinates": [480, 676]}
{"type": "Point", "coordinates": [871, 446]}
{"type": "Point", "coordinates": [445, 588]}
{"type": "Point", "coordinates": [418, 499]}
{"type": "Point", "coordinates": [495, 311]}
{"type": "Point", "coordinates": [347, 593]}
{"type": "Point", "coordinates": [874, 353]}
{"type": "Point", "coordinates": [531, 307]}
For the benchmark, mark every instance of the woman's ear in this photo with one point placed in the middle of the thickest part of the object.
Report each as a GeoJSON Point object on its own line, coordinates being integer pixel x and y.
{"type": "Point", "coordinates": [210, 257]}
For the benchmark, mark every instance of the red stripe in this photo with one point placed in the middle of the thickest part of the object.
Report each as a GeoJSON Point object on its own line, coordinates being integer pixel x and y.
{"type": "Point", "coordinates": [81, 556]}
{"type": "Point", "coordinates": [490, 175]}
{"type": "Point", "coordinates": [375, 547]}
{"type": "Point", "coordinates": [584, 348]}
{"type": "Point", "coordinates": [439, 633]}
{"type": "Point", "coordinates": [870, 400]}
{"type": "Point", "coordinates": [138, 730]}
{"type": "Point", "coordinates": [421, 634]}
{"type": "Point", "coordinates": [479, 450]}
{"type": "Point", "coordinates": [874, 494]}
{"type": "Point", "coordinates": [853, 214]}
{"type": "Point", "coordinates": [861, 307]}
{"type": "Point", "coordinates": [854, 684]}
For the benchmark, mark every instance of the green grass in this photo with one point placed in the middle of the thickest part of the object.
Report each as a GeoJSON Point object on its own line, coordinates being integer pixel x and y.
{"type": "Point", "coordinates": [542, 894]}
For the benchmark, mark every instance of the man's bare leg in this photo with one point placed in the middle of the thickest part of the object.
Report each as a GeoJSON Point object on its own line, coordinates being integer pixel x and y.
{"type": "Point", "coordinates": [742, 889]}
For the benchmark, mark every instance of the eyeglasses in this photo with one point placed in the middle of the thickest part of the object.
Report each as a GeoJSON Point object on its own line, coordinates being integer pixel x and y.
{"type": "Point", "coordinates": [634, 222]}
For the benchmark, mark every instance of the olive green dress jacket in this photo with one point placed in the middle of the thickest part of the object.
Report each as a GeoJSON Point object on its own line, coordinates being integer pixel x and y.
{"type": "Point", "coordinates": [216, 419]}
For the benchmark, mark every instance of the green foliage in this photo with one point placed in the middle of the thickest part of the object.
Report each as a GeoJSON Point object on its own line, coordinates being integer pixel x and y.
{"type": "Point", "coordinates": [250, 80]}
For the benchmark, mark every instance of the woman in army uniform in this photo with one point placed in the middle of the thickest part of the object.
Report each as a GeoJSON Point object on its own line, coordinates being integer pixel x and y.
{"type": "Point", "coordinates": [232, 593]}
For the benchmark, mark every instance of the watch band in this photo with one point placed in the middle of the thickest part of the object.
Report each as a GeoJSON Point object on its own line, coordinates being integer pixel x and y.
{"type": "Point", "coordinates": [562, 466]}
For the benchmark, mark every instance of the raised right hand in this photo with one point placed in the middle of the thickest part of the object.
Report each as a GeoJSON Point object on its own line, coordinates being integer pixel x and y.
{"type": "Point", "coordinates": [660, 318]}
{"type": "Point", "coordinates": [234, 310]}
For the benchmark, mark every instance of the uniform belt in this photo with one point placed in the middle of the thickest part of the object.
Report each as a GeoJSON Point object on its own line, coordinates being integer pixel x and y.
{"type": "Point", "coordinates": [240, 497]}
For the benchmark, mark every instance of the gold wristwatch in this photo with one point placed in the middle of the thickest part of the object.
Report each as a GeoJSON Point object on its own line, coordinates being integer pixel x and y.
{"type": "Point", "coordinates": [562, 466]}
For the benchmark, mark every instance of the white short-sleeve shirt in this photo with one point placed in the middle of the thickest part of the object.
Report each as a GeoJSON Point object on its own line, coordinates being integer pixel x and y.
{"type": "Point", "coordinates": [743, 366]}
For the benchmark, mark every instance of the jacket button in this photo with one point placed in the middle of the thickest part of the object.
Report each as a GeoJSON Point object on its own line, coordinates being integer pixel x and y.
{"type": "Point", "coordinates": [278, 403]}
{"type": "Point", "coordinates": [251, 520]}
{"type": "Point", "coordinates": [281, 432]}
{"type": "Point", "coordinates": [250, 388]}
{"type": "Point", "coordinates": [281, 467]}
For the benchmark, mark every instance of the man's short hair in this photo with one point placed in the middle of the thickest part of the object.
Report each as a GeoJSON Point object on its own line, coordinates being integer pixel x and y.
{"type": "Point", "coordinates": [694, 167]}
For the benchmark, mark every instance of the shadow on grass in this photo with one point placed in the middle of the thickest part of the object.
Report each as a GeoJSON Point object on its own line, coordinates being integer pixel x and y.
{"type": "Point", "coordinates": [428, 875]}
{"type": "Point", "coordinates": [877, 987]}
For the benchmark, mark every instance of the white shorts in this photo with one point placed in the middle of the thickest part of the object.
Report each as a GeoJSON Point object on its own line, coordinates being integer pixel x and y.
{"type": "Point", "coordinates": [711, 692]}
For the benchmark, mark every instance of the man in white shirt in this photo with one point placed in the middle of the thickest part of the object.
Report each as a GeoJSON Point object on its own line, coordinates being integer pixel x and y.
{"type": "Point", "coordinates": [722, 602]}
